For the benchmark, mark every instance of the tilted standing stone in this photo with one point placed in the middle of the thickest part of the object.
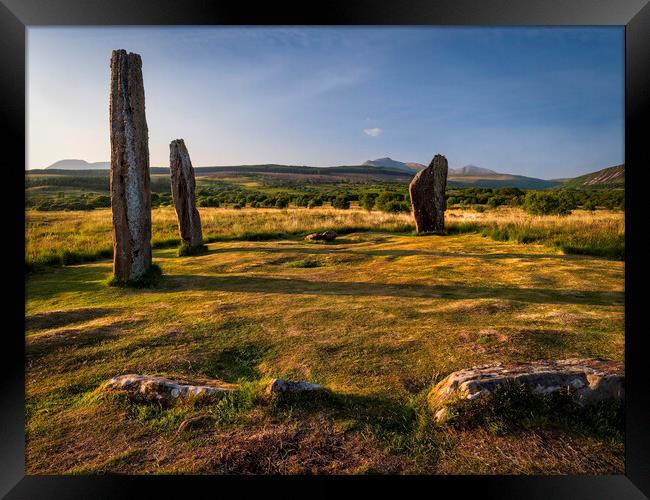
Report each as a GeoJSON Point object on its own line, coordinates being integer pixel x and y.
{"type": "Point", "coordinates": [427, 190]}
{"type": "Point", "coordinates": [129, 177]}
{"type": "Point", "coordinates": [189, 221]}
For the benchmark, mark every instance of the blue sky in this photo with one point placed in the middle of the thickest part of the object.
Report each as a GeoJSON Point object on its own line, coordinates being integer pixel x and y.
{"type": "Point", "coordinates": [543, 102]}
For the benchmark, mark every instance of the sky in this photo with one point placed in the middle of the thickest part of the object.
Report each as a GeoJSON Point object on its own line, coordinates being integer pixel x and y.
{"type": "Point", "coordinates": [541, 102]}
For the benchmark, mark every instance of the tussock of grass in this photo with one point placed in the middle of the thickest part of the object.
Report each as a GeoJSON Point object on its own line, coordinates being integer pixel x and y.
{"type": "Point", "coordinates": [600, 243]}
{"type": "Point", "coordinates": [149, 279]}
{"type": "Point", "coordinates": [305, 263]}
{"type": "Point", "coordinates": [187, 250]}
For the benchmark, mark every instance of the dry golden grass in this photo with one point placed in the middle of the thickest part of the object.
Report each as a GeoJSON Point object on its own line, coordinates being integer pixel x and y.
{"type": "Point", "coordinates": [72, 237]}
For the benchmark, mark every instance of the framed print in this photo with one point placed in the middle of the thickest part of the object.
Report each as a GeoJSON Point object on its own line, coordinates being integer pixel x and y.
{"type": "Point", "coordinates": [356, 240]}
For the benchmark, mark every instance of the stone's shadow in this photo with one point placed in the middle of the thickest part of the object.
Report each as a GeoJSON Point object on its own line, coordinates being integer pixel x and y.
{"type": "Point", "coordinates": [84, 278]}
{"type": "Point", "coordinates": [38, 346]}
{"type": "Point", "coordinates": [54, 319]}
{"type": "Point", "coordinates": [384, 415]}
{"type": "Point", "coordinates": [261, 284]}
{"type": "Point", "coordinates": [233, 363]}
{"type": "Point", "coordinates": [331, 248]}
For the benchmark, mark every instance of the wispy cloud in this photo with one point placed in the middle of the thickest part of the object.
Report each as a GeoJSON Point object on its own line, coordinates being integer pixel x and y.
{"type": "Point", "coordinates": [372, 132]}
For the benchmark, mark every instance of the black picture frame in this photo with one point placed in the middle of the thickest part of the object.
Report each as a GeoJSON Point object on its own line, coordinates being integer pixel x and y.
{"type": "Point", "coordinates": [16, 15]}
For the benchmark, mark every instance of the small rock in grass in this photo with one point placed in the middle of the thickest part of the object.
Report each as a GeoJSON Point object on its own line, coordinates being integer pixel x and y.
{"type": "Point", "coordinates": [165, 389]}
{"type": "Point", "coordinates": [324, 236]}
{"type": "Point", "coordinates": [277, 386]}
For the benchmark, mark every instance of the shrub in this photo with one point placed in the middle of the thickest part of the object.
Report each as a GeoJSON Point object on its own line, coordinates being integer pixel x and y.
{"type": "Point", "coordinates": [342, 202]}
{"type": "Point", "coordinates": [281, 203]}
{"type": "Point", "coordinates": [367, 201]}
{"type": "Point", "coordinates": [392, 203]}
{"type": "Point", "coordinates": [548, 203]}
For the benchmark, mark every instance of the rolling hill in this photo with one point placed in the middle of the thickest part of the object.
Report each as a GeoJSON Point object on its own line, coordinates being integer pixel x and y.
{"type": "Point", "coordinates": [607, 178]}
{"type": "Point", "coordinates": [382, 169]}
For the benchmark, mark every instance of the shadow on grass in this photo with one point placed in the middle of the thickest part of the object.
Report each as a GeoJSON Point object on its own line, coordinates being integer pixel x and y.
{"type": "Point", "coordinates": [258, 284]}
{"type": "Point", "coordinates": [361, 411]}
{"type": "Point", "coordinates": [38, 346]}
{"type": "Point", "coordinates": [234, 363]}
{"type": "Point", "coordinates": [55, 281]}
{"type": "Point", "coordinates": [330, 247]}
{"type": "Point", "coordinates": [54, 319]}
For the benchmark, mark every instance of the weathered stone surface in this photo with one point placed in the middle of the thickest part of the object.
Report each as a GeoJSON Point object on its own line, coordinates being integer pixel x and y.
{"type": "Point", "coordinates": [129, 175]}
{"type": "Point", "coordinates": [589, 380]}
{"type": "Point", "coordinates": [324, 236]}
{"type": "Point", "coordinates": [165, 389]}
{"type": "Point", "coordinates": [277, 385]}
{"type": "Point", "coordinates": [427, 191]}
{"type": "Point", "coordinates": [183, 193]}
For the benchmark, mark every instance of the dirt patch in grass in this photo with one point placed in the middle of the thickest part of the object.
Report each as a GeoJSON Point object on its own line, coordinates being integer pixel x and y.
{"type": "Point", "coordinates": [310, 447]}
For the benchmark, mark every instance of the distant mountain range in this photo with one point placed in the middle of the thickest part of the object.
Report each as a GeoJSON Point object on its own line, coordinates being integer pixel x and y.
{"type": "Point", "coordinates": [79, 165]}
{"type": "Point", "coordinates": [469, 175]}
{"type": "Point", "coordinates": [468, 170]}
{"type": "Point", "coordinates": [383, 168]}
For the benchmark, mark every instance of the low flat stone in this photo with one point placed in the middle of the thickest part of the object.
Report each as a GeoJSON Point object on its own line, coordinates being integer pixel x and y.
{"type": "Point", "coordinates": [324, 236]}
{"type": "Point", "coordinates": [277, 385]}
{"type": "Point", "coordinates": [588, 379]}
{"type": "Point", "coordinates": [162, 388]}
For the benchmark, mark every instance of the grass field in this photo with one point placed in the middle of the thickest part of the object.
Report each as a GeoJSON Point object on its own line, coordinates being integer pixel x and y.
{"type": "Point", "coordinates": [72, 237]}
{"type": "Point", "coordinates": [377, 316]}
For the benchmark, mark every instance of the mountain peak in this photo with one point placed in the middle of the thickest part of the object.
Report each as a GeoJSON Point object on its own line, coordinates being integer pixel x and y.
{"type": "Point", "coordinates": [75, 164]}
{"type": "Point", "coordinates": [394, 164]}
{"type": "Point", "coordinates": [470, 170]}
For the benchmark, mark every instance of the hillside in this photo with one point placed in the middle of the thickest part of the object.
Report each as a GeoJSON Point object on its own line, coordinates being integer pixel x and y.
{"type": "Point", "coordinates": [382, 169]}
{"type": "Point", "coordinates": [607, 178]}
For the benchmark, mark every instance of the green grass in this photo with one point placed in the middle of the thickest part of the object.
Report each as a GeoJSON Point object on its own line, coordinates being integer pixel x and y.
{"type": "Point", "coordinates": [602, 244]}
{"type": "Point", "coordinates": [150, 278]}
{"type": "Point", "coordinates": [570, 239]}
{"type": "Point", "coordinates": [378, 321]}
{"type": "Point", "coordinates": [514, 407]}
{"type": "Point", "coordinates": [186, 250]}
{"type": "Point", "coordinates": [58, 239]}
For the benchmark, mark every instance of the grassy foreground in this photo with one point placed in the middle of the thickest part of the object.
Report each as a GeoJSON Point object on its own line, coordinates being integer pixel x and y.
{"type": "Point", "coordinates": [377, 317]}
{"type": "Point", "coordinates": [72, 237]}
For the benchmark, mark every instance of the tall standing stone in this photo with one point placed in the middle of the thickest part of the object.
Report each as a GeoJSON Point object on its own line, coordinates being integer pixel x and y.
{"type": "Point", "coordinates": [427, 190]}
{"type": "Point", "coordinates": [183, 184]}
{"type": "Point", "coordinates": [129, 177]}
